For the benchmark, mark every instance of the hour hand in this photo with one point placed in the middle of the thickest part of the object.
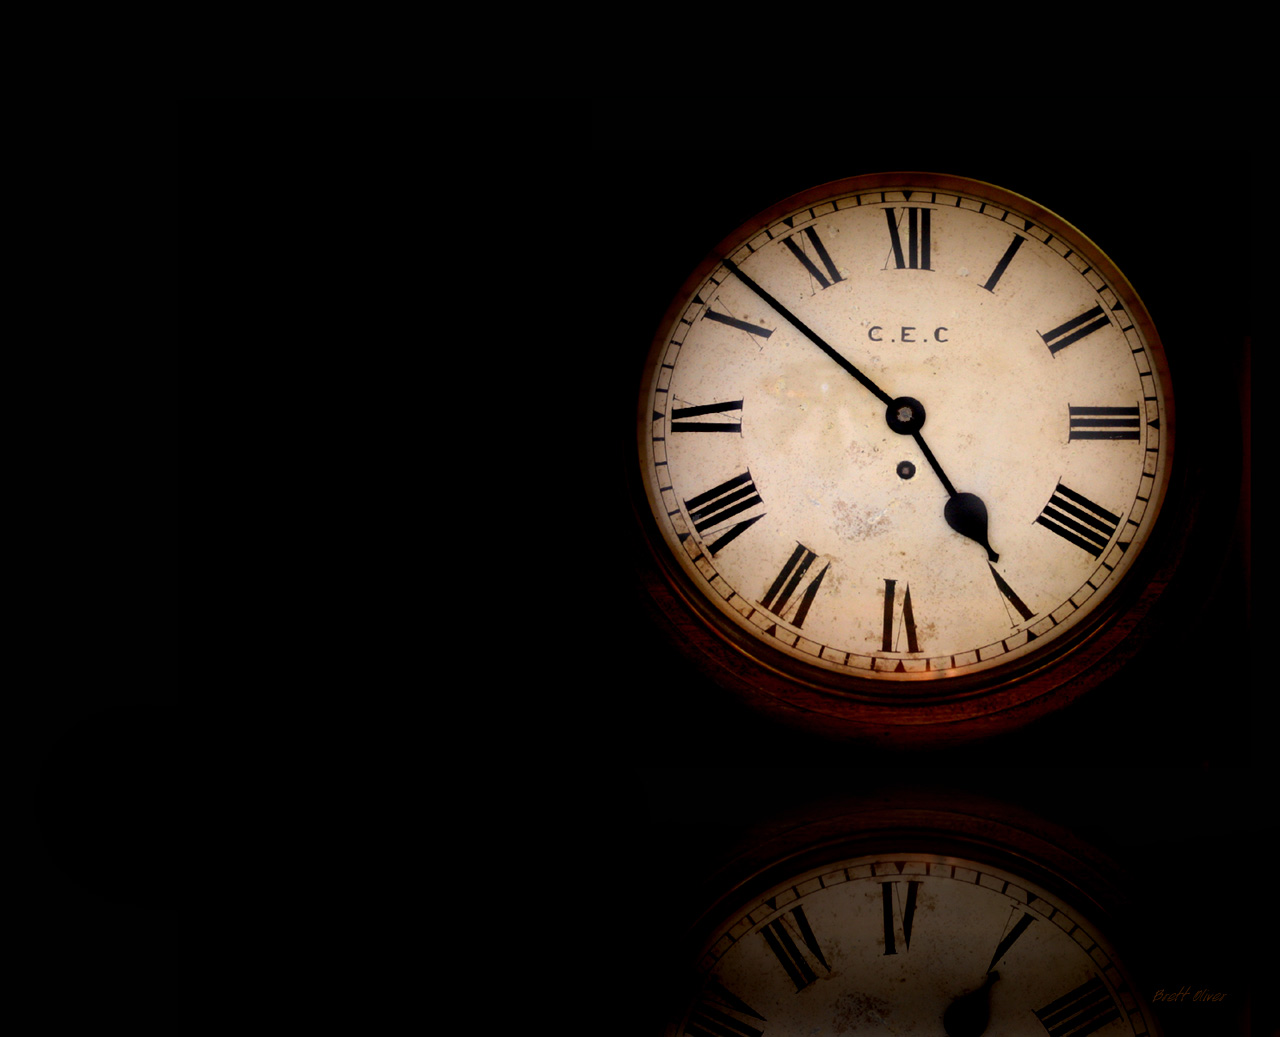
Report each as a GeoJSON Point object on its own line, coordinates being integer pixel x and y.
{"type": "Point", "coordinates": [968, 1015]}
{"type": "Point", "coordinates": [967, 515]}
{"type": "Point", "coordinates": [964, 512]}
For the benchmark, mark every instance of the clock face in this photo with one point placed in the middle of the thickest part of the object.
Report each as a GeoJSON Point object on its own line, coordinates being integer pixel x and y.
{"type": "Point", "coordinates": [903, 432]}
{"type": "Point", "coordinates": [911, 943]}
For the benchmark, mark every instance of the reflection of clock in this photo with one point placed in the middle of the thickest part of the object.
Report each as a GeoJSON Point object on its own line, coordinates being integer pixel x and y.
{"type": "Point", "coordinates": [1001, 932]}
{"type": "Point", "coordinates": [904, 440]}
{"type": "Point", "coordinates": [912, 943]}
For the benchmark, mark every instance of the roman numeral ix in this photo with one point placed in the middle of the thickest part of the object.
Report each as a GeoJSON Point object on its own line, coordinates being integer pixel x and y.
{"type": "Point", "coordinates": [687, 419]}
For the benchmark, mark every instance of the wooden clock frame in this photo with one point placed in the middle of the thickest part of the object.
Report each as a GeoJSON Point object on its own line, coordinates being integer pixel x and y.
{"type": "Point", "coordinates": [968, 707]}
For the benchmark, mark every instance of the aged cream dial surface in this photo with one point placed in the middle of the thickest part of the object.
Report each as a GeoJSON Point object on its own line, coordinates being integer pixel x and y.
{"type": "Point", "coordinates": [911, 943]}
{"type": "Point", "coordinates": [903, 429]}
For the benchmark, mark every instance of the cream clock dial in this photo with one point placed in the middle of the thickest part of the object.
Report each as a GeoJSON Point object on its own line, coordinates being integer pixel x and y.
{"type": "Point", "coordinates": [903, 430]}
{"type": "Point", "coordinates": [911, 943]}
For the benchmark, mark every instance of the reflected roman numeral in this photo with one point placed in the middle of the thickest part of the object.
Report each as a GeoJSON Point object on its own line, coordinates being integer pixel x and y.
{"type": "Point", "coordinates": [1104, 423]}
{"type": "Point", "coordinates": [719, 504]}
{"type": "Point", "coordinates": [1010, 938]}
{"type": "Point", "coordinates": [1085, 1010]}
{"type": "Point", "coordinates": [719, 1013]}
{"type": "Point", "coordinates": [888, 642]}
{"type": "Point", "coordinates": [685, 419]}
{"type": "Point", "coordinates": [914, 255]}
{"type": "Point", "coordinates": [790, 937]}
{"type": "Point", "coordinates": [1078, 520]}
{"type": "Point", "coordinates": [1003, 265]}
{"type": "Point", "coordinates": [741, 325]}
{"type": "Point", "coordinates": [808, 263]}
{"type": "Point", "coordinates": [788, 581]}
{"type": "Point", "coordinates": [1075, 329]}
{"type": "Point", "coordinates": [907, 909]}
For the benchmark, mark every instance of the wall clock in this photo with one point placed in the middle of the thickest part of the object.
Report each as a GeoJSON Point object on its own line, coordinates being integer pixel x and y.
{"type": "Point", "coordinates": [903, 444]}
{"type": "Point", "coordinates": [913, 916]}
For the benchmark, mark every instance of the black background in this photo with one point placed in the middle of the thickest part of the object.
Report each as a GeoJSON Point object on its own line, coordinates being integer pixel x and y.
{"type": "Point", "coordinates": [285, 770]}
{"type": "Point", "coordinates": [1157, 767]}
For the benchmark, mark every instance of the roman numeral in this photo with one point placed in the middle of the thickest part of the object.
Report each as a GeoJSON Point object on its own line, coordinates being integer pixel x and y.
{"type": "Point", "coordinates": [888, 642]}
{"type": "Point", "coordinates": [718, 1013]}
{"type": "Point", "coordinates": [808, 263]}
{"type": "Point", "coordinates": [1009, 594]}
{"type": "Point", "coordinates": [1075, 329]}
{"type": "Point", "coordinates": [1003, 265]}
{"type": "Point", "coordinates": [685, 419]}
{"type": "Point", "coordinates": [1078, 520]}
{"type": "Point", "coordinates": [788, 582]}
{"type": "Point", "coordinates": [1085, 1010]}
{"type": "Point", "coordinates": [907, 908]}
{"type": "Point", "coordinates": [1104, 423]}
{"type": "Point", "coordinates": [721, 503]}
{"type": "Point", "coordinates": [916, 254]}
{"type": "Point", "coordinates": [789, 937]}
{"type": "Point", "coordinates": [1010, 937]}
{"type": "Point", "coordinates": [741, 325]}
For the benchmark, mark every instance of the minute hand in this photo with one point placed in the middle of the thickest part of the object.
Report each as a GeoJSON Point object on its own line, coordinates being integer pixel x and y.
{"type": "Point", "coordinates": [965, 512]}
{"type": "Point", "coordinates": [809, 333]}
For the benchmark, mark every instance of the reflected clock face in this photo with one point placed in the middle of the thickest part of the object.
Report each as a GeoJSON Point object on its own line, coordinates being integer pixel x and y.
{"type": "Point", "coordinates": [911, 943]}
{"type": "Point", "coordinates": [904, 432]}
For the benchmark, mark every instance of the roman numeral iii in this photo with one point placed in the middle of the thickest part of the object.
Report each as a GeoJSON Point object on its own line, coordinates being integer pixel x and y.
{"type": "Point", "coordinates": [1104, 423]}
